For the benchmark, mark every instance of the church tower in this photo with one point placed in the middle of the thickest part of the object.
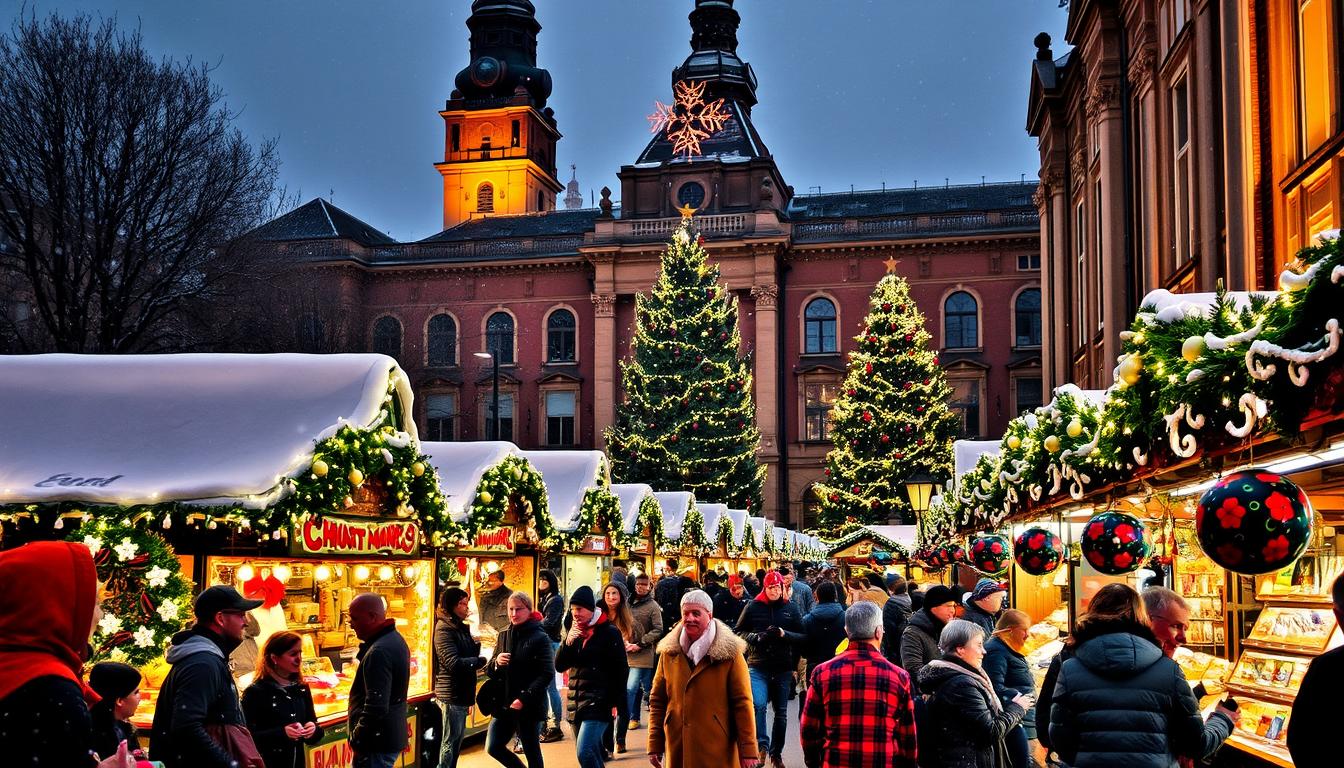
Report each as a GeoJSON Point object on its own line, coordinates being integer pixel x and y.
{"type": "Point", "coordinates": [499, 145]}
{"type": "Point", "coordinates": [573, 197]}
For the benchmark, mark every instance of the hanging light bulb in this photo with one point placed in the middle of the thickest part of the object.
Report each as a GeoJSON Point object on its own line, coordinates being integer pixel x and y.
{"type": "Point", "coordinates": [410, 572]}
{"type": "Point", "coordinates": [246, 572]}
{"type": "Point", "coordinates": [282, 573]}
{"type": "Point", "coordinates": [322, 573]}
{"type": "Point", "coordinates": [361, 573]}
{"type": "Point", "coordinates": [385, 573]}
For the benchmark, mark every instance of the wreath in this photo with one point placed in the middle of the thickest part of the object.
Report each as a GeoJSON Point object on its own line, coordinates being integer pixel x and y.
{"type": "Point", "coordinates": [146, 598]}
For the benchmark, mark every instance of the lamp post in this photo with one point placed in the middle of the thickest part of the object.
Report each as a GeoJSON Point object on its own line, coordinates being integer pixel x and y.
{"type": "Point", "coordinates": [494, 406]}
{"type": "Point", "coordinates": [919, 489]}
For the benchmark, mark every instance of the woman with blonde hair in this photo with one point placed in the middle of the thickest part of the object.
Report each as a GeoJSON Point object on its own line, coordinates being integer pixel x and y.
{"type": "Point", "coordinates": [1006, 664]}
{"type": "Point", "coordinates": [278, 705]}
{"type": "Point", "coordinates": [616, 604]}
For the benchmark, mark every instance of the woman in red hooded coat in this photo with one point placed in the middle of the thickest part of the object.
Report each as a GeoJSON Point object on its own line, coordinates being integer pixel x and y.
{"type": "Point", "coordinates": [48, 608]}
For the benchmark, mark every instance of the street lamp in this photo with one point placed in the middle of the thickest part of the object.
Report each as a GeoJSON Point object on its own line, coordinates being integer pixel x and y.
{"type": "Point", "coordinates": [919, 489]}
{"type": "Point", "coordinates": [494, 408]}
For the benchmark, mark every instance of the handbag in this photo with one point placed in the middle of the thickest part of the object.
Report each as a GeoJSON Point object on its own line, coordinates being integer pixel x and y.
{"type": "Point", "coordinates": [237, 741]}
{"type": "Point", "coordinates": [490, 697]}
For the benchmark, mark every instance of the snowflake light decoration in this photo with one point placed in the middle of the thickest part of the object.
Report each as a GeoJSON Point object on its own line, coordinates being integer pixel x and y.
{"type": "Point", "coordinates": [689, 119]}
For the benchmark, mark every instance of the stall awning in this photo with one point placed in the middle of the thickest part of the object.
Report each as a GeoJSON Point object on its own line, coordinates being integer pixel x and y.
{"type": "Point", "coordinates": [631, 496]}
{"type": "Point", "coordinates": [898, 540]}
{"type": "Point", "coordinates": [460, 467]}
{"type": "Point", "coordinates": [760, 528]}
{"type": "Point", "coordinates": [196, 428]}
{"type": "Point", "coordinates": [568, 475]}
{"type": "Point", "coordinates": [675, 505]}
{"type": "Point", "coordinates": [738, 517]}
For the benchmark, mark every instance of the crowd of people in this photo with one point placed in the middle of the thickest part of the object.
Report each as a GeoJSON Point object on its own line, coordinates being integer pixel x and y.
{"type": "Point", "coordinates": [889, 675]}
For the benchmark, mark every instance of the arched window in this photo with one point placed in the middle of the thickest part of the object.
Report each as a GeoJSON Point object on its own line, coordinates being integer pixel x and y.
{"type": "Point", "coordinates": [1027, 318]}
{"type": "Point", "coordinates": [499, 337]}
{"type": "Point", "coordinates": [560, 337]}
{"type": "Point", "coordinates": [960, 323]}
{"type": "Point", "coordinates": [442, 341]}
{"type": "Point", "coordinates": [819, 326]}
{"type": "Point", "coordinates": [387, 336]}
{"type": "Point", "coordinates": [485, 198]}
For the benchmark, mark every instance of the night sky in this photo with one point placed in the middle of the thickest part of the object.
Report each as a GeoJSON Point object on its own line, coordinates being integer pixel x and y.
{"type": "Point", "coordinates": [852, 92]}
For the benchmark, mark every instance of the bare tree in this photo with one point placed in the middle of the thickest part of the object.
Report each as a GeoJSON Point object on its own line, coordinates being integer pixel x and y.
{"type": "Point", "coordinates": [123, 189]}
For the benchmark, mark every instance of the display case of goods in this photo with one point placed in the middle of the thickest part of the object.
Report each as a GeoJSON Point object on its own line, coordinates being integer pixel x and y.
{"type": "Point", "coordinates": [1294, 627]}
{"type": "Point", "coordinates": [1201, 582]}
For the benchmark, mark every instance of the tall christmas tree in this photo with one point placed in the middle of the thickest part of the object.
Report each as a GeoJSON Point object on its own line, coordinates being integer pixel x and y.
{"type": "Point", "coordinates": [688, 420]}
{"type": "Point", "coordinates": [891, 418]}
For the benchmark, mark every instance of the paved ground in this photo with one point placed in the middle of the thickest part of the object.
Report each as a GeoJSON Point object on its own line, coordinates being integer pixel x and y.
{"type": "Point", "coordinates": [560, 754]}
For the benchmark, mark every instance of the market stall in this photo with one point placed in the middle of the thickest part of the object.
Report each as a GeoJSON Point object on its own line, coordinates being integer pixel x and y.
{"type": "Point", "coordinates": [298, 479]}
{"type": "Point", "coordinates": [642, 533]}
{"type": "Point", "coordinates": [879, 548]}
{"type": "Point", "coordinates": [587, 516]}
{"type": "Point", "coordinates": [683, 531]}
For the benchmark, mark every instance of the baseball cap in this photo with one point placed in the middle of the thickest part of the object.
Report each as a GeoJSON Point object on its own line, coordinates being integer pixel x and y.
{"type": "Point", "coordinates": [221, 598]}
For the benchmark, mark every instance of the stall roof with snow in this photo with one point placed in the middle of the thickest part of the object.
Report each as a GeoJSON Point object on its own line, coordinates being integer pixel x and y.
{"type": "Point", "coordinates": [193, 428]}
{"type": "Point", "coordinates": [568, 475]}
{"type": "Point", "coordinates": [897, 540]}
{"type": "Point", "coordinates": [675, 505]}
{"type": "Point", "coordinates": [460, 466]}
{"type": "Point", "coordinates": [631, 496]}
{"type": "Point", "coordinates": [760, 528]}
{"type": "Point", "coordinates": [965, 453]}
{"type": "Point", "coordinates": [738, 517]}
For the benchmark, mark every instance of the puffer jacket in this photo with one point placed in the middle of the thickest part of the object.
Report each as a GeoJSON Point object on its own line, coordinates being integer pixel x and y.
{"type": "Point", "coordinates": [980, 617]}
{"type": "Point", "coordinates": [1120, 702]}
{"type": "Point", "coordinates": [767, 651]}
{"type": "Point", "coordinates": [531, 666]}
{"type": "Point", "coordinates": [824, 628]}
{"type": "Point", "coordinates": [597, 672]}
{"type": "Point", "coordinates": [966, 728]}
{"type": "Point", "coordinates": [895, 615]}
{"type": "Point", "coordinates": [1009, 672]}
{"type": "Point", "coordinates": [648, 616]}
{"type": "Point", "coordinates": [552, 616]}
{"type": "Point", "coordinates": [919, 642]}
{"type": "Point", "coordinates": [457, 656]}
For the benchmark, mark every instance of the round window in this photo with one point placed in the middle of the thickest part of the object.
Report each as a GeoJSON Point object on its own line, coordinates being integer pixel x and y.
{"type": "Point", "coordinates": [691, 193]}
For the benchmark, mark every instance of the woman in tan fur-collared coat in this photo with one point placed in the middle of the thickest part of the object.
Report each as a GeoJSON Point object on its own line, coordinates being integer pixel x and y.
{"type": "Point", "coordinates": [701, 688]}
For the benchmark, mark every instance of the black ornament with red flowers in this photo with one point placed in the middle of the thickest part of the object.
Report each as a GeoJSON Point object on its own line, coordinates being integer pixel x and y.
{"type": "Point", "coordinates": [1115, 543]}
{"type": "Point", "coordinates": [1254, 521]}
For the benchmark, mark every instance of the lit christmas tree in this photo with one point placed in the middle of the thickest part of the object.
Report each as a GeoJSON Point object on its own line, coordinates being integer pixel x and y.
{"type": "Point", "coordinates": [688, 420]}
{"type": "Point", "coordinates": [891, 419]}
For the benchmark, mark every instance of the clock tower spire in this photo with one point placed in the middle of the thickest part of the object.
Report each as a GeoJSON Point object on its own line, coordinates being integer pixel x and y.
{"type": "Point", "coordinates": [500, 137]}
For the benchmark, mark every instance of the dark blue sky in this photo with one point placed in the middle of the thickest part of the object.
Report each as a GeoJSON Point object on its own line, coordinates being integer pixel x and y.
{"type": "Point", "coordinates": [852, 92]}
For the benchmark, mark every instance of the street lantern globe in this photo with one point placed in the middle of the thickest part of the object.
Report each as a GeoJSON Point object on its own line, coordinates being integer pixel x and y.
{"type": "Point", "coordinates": [919, 489]}
{"type": "Point", "coordinates": [483, 355]}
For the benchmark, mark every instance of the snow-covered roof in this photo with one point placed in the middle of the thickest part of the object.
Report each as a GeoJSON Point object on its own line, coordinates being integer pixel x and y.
{"type": "Point", "coordinates": [631, 495]}
{"type": "Point", "coordinates": [739, 519]}
{"type": "Point", "coordinates": [905, 535]}
{"type": "Point", "coordinates": [675, 505]}
{"type": "Point", "coordinates": [460, 467]}
{"type": "Point", "coordinates": [760, 528]}
{"type": "Point", "coordinates": [1169, 307]}
{"type": "Point", "coordinates": [966, 453]}
{"type": "Point", "coordinates": [567, 476]}
{"type": "Point", "coordinates": [783, 538]}
{"type": "Point", "coordinates": [217, 428]}
{"type": "Point", "coordinates": [712, 513]}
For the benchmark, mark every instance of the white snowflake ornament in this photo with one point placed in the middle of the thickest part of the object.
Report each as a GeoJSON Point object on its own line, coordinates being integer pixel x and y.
{"type": "Point", "coordinates": [117, 655]}
{"type": "Point", "coordinates": [168, 611]}
{"type": "Point", "coordinates": [144, 637]}
{"type": "Point", "coordinates": [93, 543]}
{"type": "Point", "coordinates": [158, 577]}
{"type": "Point", "coordinates": [109, 624]}
{"type": "Point", "coordinates": [126, 549]}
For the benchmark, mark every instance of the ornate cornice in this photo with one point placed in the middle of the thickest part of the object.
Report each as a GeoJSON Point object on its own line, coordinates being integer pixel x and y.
{"type": "Point", "coordinates": [604, 304]}
{"type": "Point", "coordinates": [1141, 68]}
{"type": "Point", "coordinates": [766, 295]}
{"type": "Point", "coordinates": [1104, 95]}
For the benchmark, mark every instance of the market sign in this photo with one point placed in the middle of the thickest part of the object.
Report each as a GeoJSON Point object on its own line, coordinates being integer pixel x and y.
{"type": "Point", "coordinates": [859, 550]}
{"type": "Point", "coordinates": [487, 540]}
{"type": "Point", "coordinates": [596, 545]}
{"type": "Point", "coordinates": [641, 547]}
{"type": "Point", "coordinates": [334, 750]}
{"type": "Point", "coordinates": [337, 536]}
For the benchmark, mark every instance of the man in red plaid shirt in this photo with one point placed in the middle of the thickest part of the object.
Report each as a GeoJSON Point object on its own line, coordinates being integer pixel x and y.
{"type": "Point", "coordinates": [859, 709]}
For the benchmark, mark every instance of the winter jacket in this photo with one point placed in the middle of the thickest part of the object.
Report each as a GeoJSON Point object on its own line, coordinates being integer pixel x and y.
{"type": "Point", "coordinates": [1011, 675]}
{"type": "Point", "coordinates": [667, 593]}
{"type": "Point", "coordinates": [552, 615]}
{"type": "Point", "coordinates": [980, 618]}
{"type": "Point", "coordinates": [919, 642]}
{"type": "Point", "coordinates": [1312, 739]}
{"type": "Point", "coordinates": [965, 722]}
{"type": "Point", "coordinates": [648, 618]}
{"type": "Point", "coordinates": [1120, 702]}
{"type": "Point", "coordinates": [824, 629]}
{"type": "Point", "coordinates": [802, 598]}
{"type": "Point", "coordinates": [46, 611]}
{"type": "Point", "coordinates": [269, 707]}
{"type": "Point", "coordinates": [1046, 697]}
{"type": "Point", "coordinates": [197, 692]}
{"type": "Point", "coordinates": [531, 666]}
{"type": "Point", "coordinates": [109, 732]}
{"type": "Point", "coordinates": [728, 609]}
{"type": "Point", "coordinates": [378, 693]}
{"type": "Point", "coordinates": [765, 650]}
{"type": "Point", "coordinates": [895, 615]}
{"type": "Point", "coordinates": [597, 672]}
{"type": "Point", "coordinates": [494, 607]}
{"type": "Point", "coordinates": [457, 656]}
{"type": "Point", "coordinates": [701, 716]}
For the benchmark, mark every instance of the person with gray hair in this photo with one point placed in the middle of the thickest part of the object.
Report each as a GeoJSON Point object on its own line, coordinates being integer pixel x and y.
{"type": "Point", "coordinates": [1168, 617]}
{"type": "Point", "coordinates": [966, 719]}
{"type": "Point", "coordinates": [860, 708]}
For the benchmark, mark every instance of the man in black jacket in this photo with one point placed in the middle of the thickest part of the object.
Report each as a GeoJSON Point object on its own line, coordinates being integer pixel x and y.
{"type": "Point", "coordinates": [895, 613]}
{"type": "Point", "coordinates": [459, 656]}
{"type": "Point", "coordinates": [728, 604]}
{"type": "Point", "coordinates": [667, 593]}
{"type": "Point", "coordinates": [199, 688]}
{"type": "Point", "coordinates": [1313, 739]}
{"type": "Point", "coordinates": [774, 632]}
{"type": "Point", "coordinates": [378, 693]}
{"type": "Point", "coordinates": [594, 654]}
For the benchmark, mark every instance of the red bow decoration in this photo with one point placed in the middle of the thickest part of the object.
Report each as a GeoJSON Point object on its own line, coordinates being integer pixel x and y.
{"type": "Point", "coordinates": [269, 589]}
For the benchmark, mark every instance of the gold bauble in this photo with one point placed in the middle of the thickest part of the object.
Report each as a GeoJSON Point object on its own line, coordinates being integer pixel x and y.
{"type": "Point", "coordinates": [485, 497]}
{"type": "Point", "coordinates": [417, 469]}
{"type": "Point", "coordinates": [1052, 444]}
{"type": "Point", "coordinates": [1193, 348]}
{"type": "Point", "coordinates": [1014, 442]}
{"type": "Point", "coordinates": [356, 477]}
{"type": "Point", "coordinates": [320, 468]}
{"type": "Point", "coordinates": [1075, 428]}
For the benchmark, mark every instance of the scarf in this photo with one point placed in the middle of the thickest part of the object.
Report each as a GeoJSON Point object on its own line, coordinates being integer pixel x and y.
{"type": "Point", "coordinates": [772, 578]}
{"type": "Point", "coordinates": [978, 675]}
{"type": "Point", "coordinates": [587, 631]}
{"type": "Point", "coordinates": [695, 651]}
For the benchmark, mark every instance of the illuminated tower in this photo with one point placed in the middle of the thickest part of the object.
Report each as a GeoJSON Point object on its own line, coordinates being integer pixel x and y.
{"type": "Point", "coordinates": [499, 146]}
{"type": "Point", "coordinates": [573, 197]}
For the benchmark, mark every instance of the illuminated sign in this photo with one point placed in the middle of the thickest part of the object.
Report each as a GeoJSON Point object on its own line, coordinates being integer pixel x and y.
{"type": "Point", "coordinates": [596, 545]}
{"type": "Point", "coordinates": [496, 540]}
{"type": "Point", "coordinates": [337, 536]}
{"type": "Point", "coordinates": [689, 119]}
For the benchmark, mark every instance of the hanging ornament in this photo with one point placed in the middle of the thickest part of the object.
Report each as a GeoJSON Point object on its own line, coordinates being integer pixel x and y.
{"type": "Point", "coordinates": [868, 368]}
{"type": "Point", "coordinates": [1254, 522]}
{"type": "Point", "coordinates": [320, 468]}
{"type": "Point", "coordinates": [867, 416]}
{"type": "Point", "coordinates": [1074, 429]}
{"type": "Point", "coordinates": [356, 477]}
{"type": "Point", "coordinates": [886, 306]}
{"type": "Point", "coordinates": [1051, 443]}
{"type": "Point", "coordinates": [1192, 348]}
{"type": "Point", "coordinates": [990, 554]}
{"type": "Point", "coordinates": [1014, 442]}
{"type": "Point", "coordinates": [1115, 543]}
{"type": "Point", "coordinates": [418, 469]}
{"type": "Point", "coordinates": [956, 553]}
{"type": "Point", "coordinates": [852, 392]}
{"type": "Point", "coordinates": [1129, 369]}
{"type": "Point", "coordinates": [885, 439]}
{"type": "Point", "coordinates": [485, 497]}
{"type": "Point", "coordinates": [1038, 551]}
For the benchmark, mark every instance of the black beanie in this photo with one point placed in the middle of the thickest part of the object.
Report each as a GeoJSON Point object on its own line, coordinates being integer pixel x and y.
{"type": "Point", "coordinates": [938, 595]}
{"type": "Point", "coordinates": [112, 680]}
{"type": "Point", "coordinates": [583, 597]}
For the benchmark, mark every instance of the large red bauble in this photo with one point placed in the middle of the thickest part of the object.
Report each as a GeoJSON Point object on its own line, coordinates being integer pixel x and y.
{"type": "Point", "coordinates": [1254, 521]}
{"type": "Point", "coordinates": [990, 554]}
{"type": "Point", "coordinates": [1038, 551]}
{"type": "Point", "coordinates": [1115, 543]}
